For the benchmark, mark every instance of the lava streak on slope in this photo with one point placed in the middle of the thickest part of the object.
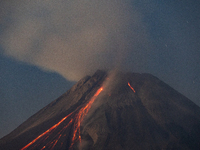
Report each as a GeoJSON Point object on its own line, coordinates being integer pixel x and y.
{"type": "Point", "coordinates": [80, 116]}
{"type": "Point", "coordinates": [49, 131]}
{"type": "Point", "coordinates": [39, 142]}
{"type": "Point", "coordinates": [131, 87]}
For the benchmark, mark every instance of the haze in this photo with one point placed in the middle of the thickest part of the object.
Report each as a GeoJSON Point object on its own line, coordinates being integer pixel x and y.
{"type": "Point", "coordinates": [75, 38]}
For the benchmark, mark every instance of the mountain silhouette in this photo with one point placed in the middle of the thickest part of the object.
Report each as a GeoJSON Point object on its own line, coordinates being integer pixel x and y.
{"type": "Point", "coordinates": [112, 111]}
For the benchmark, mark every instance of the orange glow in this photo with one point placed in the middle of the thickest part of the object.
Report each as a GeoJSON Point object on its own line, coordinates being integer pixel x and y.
{"type": "Point", "coordinates": [76, 133]}
{"type": "Point", "coordinates": [56, 142]}
{"type": "Point", "coordinates": [80, 116]}
{"type": "Point", "coordinates": [131, 87]}
{"type": "Point", "coordinates": [44, 133]}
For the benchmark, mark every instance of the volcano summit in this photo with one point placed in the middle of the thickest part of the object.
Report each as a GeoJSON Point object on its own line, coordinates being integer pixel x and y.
{"type": "Point", "coordinates": [119, 111]}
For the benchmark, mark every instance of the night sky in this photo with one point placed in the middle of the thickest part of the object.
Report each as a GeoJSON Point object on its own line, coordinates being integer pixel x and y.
{"type": "Point", "coordinates": [46, 46]}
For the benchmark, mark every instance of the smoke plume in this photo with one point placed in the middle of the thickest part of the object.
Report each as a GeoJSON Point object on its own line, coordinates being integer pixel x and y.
{"type": "Point", "coordinates": [73, 38]}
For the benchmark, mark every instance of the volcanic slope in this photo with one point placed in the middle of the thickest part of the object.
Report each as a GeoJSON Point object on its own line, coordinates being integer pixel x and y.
{"type": "Point", "coordinates": [121, 111]}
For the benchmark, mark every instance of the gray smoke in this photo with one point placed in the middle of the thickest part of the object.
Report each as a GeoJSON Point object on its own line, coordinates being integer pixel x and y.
{"type": "Point", "coordinates": [73, 38]}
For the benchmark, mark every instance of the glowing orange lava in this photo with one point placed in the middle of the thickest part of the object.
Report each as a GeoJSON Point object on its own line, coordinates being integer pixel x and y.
{"type": "Point", "coordinates": [76, 133]}
{"type": "Point", "coordinates": [44, 133]}
{"type": "Point", "coordinates": [80, 116]}
{"type": "Point", "coordinates": [131, 87]}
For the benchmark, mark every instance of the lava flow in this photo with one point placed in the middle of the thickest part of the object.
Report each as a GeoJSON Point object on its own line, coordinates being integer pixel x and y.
{"type": "Point", "coordinates": [48, 131]}
{"type": "Point", "coordinates": [131, 87]}
{"type": "Point", "coordinates": [39, 141]}
{"type": "Point", "coordinates": [80, 116]}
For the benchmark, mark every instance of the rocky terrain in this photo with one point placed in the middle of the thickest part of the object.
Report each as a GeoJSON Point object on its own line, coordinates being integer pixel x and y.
{"type": "Point", "coordinates": [117, 111]}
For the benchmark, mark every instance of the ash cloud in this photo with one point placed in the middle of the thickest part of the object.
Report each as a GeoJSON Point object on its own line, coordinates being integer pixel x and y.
{"type": "Point", "coordinates": [74, 38]}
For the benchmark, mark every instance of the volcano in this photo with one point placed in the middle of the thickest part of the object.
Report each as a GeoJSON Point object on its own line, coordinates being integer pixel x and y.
{"type": "Point", "coordinates": [117, 111]}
